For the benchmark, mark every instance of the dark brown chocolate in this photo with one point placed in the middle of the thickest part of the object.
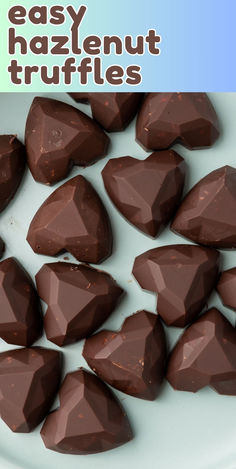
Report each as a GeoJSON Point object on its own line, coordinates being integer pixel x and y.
{"type": "Point", "coordinates": [72, 219]}
{"type": "Point", "coordinates": [29, 379]}
{"type": "Point", "coordinates": [205, 355]}
{"type": "Point", "coordinates": [2, 247]}
{"type": "Point", "coordinates": [226, 288]}
{"type": "Point", "coordinates": [89, 420]}
{"type": "Point", "coordinates": [12, 166]}
{"type": "Point", "coordinates": [168, 118]}
{"type": "Point", "coordinates": [147, 192]}
{"type": "Point", "coordinates": [206, 215]}
{"type": "Point", "coordinates": [80, 97]}
{"type": "Point", "coordinates": [20, 319]}
{"type": "Point", "coordinates": [113, 111]}
{"type": "Point", "coordinates": [182, 275]}
{"type": "Point", "coordinates": [132, 360]}
{"type": "Point", "coordinates": [79, 300]}
{"type": "Point", "coordinates": [58, 136]}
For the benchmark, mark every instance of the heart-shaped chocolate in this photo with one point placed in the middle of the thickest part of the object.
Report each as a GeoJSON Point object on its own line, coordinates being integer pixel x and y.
{"type": "Point", "coordinates": [57, 136]}
{"type": "Point", "coordinates": [207, 213]}
{"type": "Point", "coordinates": [168, 118]}
{"type": "Point", "coordinates": [205, 355]}
{"type": "Point", "coordinates": [90, 418]}
{"type": "Point", "coordinates": [29, 379]}
{"type": "Point", "coordinates": [183, 276]}
{"type": "Point", "coordinates": [146, 192]}
{"type": "Point", "coordinates": [73, 218]}
{"type": "Point", "coordinates": [12, 166]}
{"type": "Point", "coordinates": [132, 360]}
{"type": "Point", "coordinates": [79, 300]}
{"type": "Point", "coordinates": [113, 111]}
{"type": "Point", "coordinates": [21, 319]}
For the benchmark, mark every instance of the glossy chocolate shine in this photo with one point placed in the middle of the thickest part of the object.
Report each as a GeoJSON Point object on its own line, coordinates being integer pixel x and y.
{"type": "Point", "coordinates": [79, 300]}
{"type": "Point", "coordinates": [29, 380]}
{"type": "Point", "coordinates": [146, 192]}
{"type": "Point", "coordinates": [205, 355]}
{"type": "Point", "coordinates": [132, 360]}
{"type": "Point", "coordinates": [90, 418]}
{"type": "Point", "coordinates": [58, 136]}
{"type": "Point", "coordinates": [182, 275]}
{"type": "Point", "coordinates": [168, 118]}
{"type": "Point", "coordinates": [73, 219]}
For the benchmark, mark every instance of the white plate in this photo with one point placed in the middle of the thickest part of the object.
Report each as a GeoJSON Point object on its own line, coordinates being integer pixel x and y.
{"type": "Point", "coordinates": [179, 430]}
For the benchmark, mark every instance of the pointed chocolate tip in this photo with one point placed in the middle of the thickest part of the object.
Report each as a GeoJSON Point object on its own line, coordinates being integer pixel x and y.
{"type": "Point", "coordinates": [205, 215]}
{"type": "Point", "coordinates": [21, 371]}
{"type": "Point", "coordinates": [146, 192]}
{"type": "Point", "coordinates": [168, 118]}
{"type": "Point", "coordinates": [132, 360]}
{"type": "Point", "coordinates": [182, 275]}
{"type": "Point", "coordinates": [79, 300]}
{"type": "Point", "coordinates": [90, 418]}
{"type": "Point", "coordinates": [205, 355]}
{"type": "Point", "coordinates": [74, 219]}
{"type": "Point", "coordinates": [58, 136]}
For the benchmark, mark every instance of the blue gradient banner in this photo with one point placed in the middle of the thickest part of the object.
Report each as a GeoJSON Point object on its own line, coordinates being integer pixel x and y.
{"type": "Point", "coordinates": [197, 45]}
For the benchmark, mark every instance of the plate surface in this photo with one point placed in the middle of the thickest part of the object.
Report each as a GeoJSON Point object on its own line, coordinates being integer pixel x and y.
{"type": "Point", "coordinates": [179, 430]}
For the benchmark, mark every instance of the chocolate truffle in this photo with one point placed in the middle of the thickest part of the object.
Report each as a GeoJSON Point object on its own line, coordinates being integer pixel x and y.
{"type": "Point", "coordinates": [12, 165]}
{"type": "Point", "coordinates": [168, 118]}
{"type": "Point", "coordinates": [80, 97]}
{"type": "Point", "coordinates": [226, 288]}
{"type": "Point", "coordinates": [114, 111]}
{"type": "Point", "coordinates": [132, 360]}
{"type": "Point", "coordinates": [182, 275]}
{"type": "Point", "coordinates": [21, 319]}
{"type": "Point", "coordinates": [89, 420]}
{"type": "Point", "coordinates": [79, 300]}
{"type": "Point", "coordinates": [206, 215]}
{"type": "Point", "coordinates": [29, 379]}
{"type": "Point", "coordinates": [57, 136]}
{"type": "Point", "coordinates": [72, 219]}
{"type": "Point", "coordinates": [205, 355]}
{"type": "Point", "coordinates": [146, 192]}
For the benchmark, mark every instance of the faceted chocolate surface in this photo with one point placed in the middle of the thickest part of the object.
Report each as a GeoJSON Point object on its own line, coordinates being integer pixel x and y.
{"type": "Point", "coordinates": [29, 379]}
{"type": "Point", "coordinates": [146, 192]}
{"type": "Point", "coordinates": [182, 275]}
{"type": "Point", "coordinates": [205, 355]}
{"type": "Point", "coordinates": [20, 319]}
{"type": "Point", "coordinates": [79, 300]}
{"type": "Point", "coordinates": [80, 97]}
{"type": "Point", "coordinates": [132, 360]}
{"type": "Point", "coordinates": [168, 118]}
{"type": "Point", "coordinates": [89, 420]}
{"type": "Point", "coordinates": [114, 111]}
{"type": "Point", "coordinates": [57, 136]}
{"type": "Point", "coordinates": [12, 165]}
{"type": "Point", "coordinates": [72, 219]}
{"type": "Point", "coordinates": [206, 214]}
{"type": "Point", "coordinates": [226, 288]}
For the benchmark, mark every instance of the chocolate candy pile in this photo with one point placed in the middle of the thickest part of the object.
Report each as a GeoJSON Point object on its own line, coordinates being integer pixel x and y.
{"type": "Point", "coordinates": [80, 298]}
